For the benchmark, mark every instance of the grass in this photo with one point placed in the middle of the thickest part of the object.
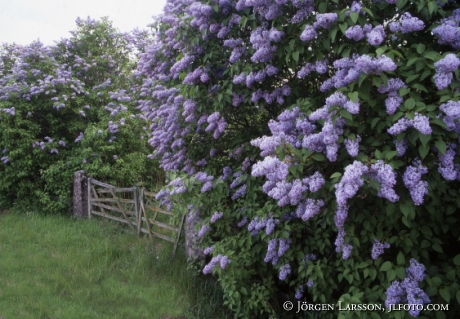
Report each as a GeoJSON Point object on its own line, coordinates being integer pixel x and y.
{"type": "Point", "coordinates": [57, 267]}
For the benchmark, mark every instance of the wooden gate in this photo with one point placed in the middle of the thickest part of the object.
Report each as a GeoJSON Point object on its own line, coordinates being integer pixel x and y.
{"type": "Point", "coordinates": [158, 220]}
{"type": "Point", "coordinates": [127, 205]}
{"type": "Point", "coordinates": [119, 204]}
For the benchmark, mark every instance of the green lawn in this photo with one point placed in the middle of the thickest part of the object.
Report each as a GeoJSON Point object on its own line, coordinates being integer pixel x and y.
{"type": "Point", "coordinates": [59, 267]}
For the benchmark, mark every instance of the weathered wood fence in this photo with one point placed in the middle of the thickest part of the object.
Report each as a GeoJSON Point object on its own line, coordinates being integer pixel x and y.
{"type": "Point", "coordinates": [134, 207]}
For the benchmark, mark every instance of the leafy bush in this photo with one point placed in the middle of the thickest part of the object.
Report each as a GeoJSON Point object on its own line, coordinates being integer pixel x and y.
{"type": "Point", "coordinates": [354, 105]}
{"type": "Point", "coordinates": [68, 107]}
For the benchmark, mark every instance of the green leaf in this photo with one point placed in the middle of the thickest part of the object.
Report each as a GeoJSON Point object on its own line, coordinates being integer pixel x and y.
{"type": "Point", "coordinates": [423, 150]}
{"type": "Point", "coordinates": [441, 145]}
{"type": "Point", "coordinates": [401, 272]}
{"type": "Point", "coordinates": [457, 260]}
{"type": "Point", "coordinates": [322, 7]}
{"type": "Point", "coordinates": [381, 50]}
{"type": "Point", "coordinates": [444, 292]}
{"type": "Point", "coordinates": [374, 122]}
{"type": "Point", "coordinates": [420, 87]}
{"type": "Point", "coordinates": [409, 104]}
{"type": "Point", "coordinates": [407, 208]}
{"type": "Point", "coordinates": [389, 155]}
{"type": "Point", "coordinates": [295, 56]}
{"type": "Point", "coordinates": [420, 48]}
{"type": "Point", "coordinates": [424, 138]}
{"type": "Point", "coordinates": [387, 265]}
{"type": "Point", "coordinates": [400, 259]}
{"type": "Point", "coordinates": [354, 16]}
{"type": "Point", "coordinates": [353, 96]}
{"type": "Point", "coordinates": [403, 91]}
{"type": "Point", "coordinates": [437, 248]}
{"type": "Point", "coordinates": [412, 61]}
{"type": "Point", "coordinates": [432, 7]}
{"type": "Point", "coordinates": [401, 3]}
{"type": "Point", "coordinates": [439, 122]}
{"type": "Point", "coordinates": [343, 27]}
{"type": "Point", "coordinates": [431, 55]}
{"type": "Point", "coordinates": [411, 78]}
{"type": "Point", "coordinates": [336, 174]}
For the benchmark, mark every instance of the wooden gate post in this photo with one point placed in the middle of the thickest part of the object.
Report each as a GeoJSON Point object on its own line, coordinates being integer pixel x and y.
{"type": "Point", "coordinates": [80, 194]}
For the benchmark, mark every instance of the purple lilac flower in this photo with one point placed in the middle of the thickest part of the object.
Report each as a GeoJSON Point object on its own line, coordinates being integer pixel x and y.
{"type": "Point", "coordinates": [216, 216]}
{"type": "Point", "coordinates": [79, 138]}
{"type": "Point", "coordinates": [240, 192]}
{"type": "Point", "coordinates": [413, 180]}
{"type": "Point", "coordinates": [352, 146]}
{"type": "Point", "coordinates": [408, 291]}
{"type": "Point", "coordinates": [204, 229]}
{"type": "Point", "coordinates": [308, 34]}
{"type": "Point", "coordinates": [325, 20]}
{"type": "Point", "coordinates": [378, 247]}
{"type": "Point", "coordinates": [422, 124]}
{"type": "Point", "coordinates": [386, 176]}
{"type": "Point", "coordinates": [350, 182]}
{"type": "Point", "coordinates": [444, 70]}
{"type": "Point", "coordinates": [206, 187]}
{"type": "Point", "coordinates": [376, 36]}
{"type": "Point", "coordinates": [285, 271]}
{"type": "Point", "coordinates": [446, 164]}
{"type": "Point", "coordinates": [272, 254]}
{"type": "Point", "coordinates": [401, 147]}
{"type": "Point", "coordinates": [284, 245]}
{"type": "Point", "coordinates": [407, 23]}
{"type": "Point", "coordinates": [355, 33]}
{"type": "Point", "coordinates": [243, 222]}
{"type": "Point", "coordinates": [299, 293]}
{"type": "Point", "coordinates": [208, 250]}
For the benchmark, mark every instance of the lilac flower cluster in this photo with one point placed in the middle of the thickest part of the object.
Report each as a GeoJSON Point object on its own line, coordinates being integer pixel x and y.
{"type": "Point", "coordinates": [216, 124]}
{"type": "Point", "coordinates": [277, 247]}
{"type": "Point", "coordinates": [393, 100]}
{"type": "Point", "coordinates": [304, 9]}
{"type": "Point", "coordinates": [377, 248]}
{"type": "Point", "coordinates": [446, 166]}
{"type": "Point", "coordinates": [284, 271]}
{"type": "Point", "coordinates": [356, 6]}
{"type": "Point", "coordinates": [352, 146]}
{"type": "Point", "coordinates": [349, 70]}
{"type": "Point", "coordinates": [321, 66]}
{"type": "Point", "coordinates": [216, 216]}
{"type": "Point", "coordinates": [204, 230]}
{"type": "Point", "coordinates": [261, 40]}
{"type": "Point", "coordinates": [407, 24]}
{"type": "Point", "coordinates": [448, 32]}
{"type": "Point", "coordinates": [413, 180]}
{"type": "Point", "coordinates": [420, 122]}
{"type": "Point", "coordinates": [408, 290]}
{"type": "Point", "coordinates": [223, 261]}
{"type": "Point", "coordinates": [452, 111]}
{"type": "Point", "coordinates": [256, 225]}
{"type": "Point", "coordinates": [401, 147]}
{"type": "Point", "coordinates": [386, 176]}
{"type": "Point", "coordinates": [324, 21]}
{"type": "Point", "coordinates": [444, 70]}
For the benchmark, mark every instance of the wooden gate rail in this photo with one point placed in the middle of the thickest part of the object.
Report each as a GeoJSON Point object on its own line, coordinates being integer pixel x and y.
{"type": "Point", "coordinates": [142, 208]}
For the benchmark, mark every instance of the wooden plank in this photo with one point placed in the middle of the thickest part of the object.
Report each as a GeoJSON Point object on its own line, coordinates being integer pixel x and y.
{"type": "Point", "coordinates": [156, 209]}
{"type": "Point", "coordinates": [145, 213]}
{"type": "Point", "coordinates": [129, 212]}
{"type": "Point", "coordinates": [96, 182]}
{"type": "Point", "coordinates": [122, 190]}
{"type": "Point", "coordinates": [112, 200]}
{"type": "Point", "coordinates": [89, 197]}
{"type": "Point", "coordinates": [120, 207]}
{"type": "Point", "coordinates": [145, 231]}
{"type": "Point", "coordinates": [121, 220]}
{"type": "Point", "coordinates": [95, 195]}
{"type": "Point", "coordinates": [160, 224]}
{"type": "Point", "coordinates": [178, 234]}
{"type": "Point", "coordinates": [150, 194]}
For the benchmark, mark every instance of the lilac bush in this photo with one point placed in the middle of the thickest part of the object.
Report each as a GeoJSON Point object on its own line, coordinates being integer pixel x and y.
{"type": "Point", "coordinates": [330, 128]}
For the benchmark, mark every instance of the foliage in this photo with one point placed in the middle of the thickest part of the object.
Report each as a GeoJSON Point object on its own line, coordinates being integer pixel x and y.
{"type": "Point", "coordinates": [68, 107]}
{"type": "Point", "coordinates": [354, 105]}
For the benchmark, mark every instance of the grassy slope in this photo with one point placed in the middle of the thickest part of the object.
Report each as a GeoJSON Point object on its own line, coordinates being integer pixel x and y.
{"type": "Point", "coordinates": [57, 267]}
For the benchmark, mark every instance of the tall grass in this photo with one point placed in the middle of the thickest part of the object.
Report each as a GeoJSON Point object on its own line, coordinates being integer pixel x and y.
{"type": "Point", "coordinates": [58, 267]}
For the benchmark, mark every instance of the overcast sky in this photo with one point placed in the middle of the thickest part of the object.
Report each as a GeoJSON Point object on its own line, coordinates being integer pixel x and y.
{"type": "Point", "coordinates": [23, 21]}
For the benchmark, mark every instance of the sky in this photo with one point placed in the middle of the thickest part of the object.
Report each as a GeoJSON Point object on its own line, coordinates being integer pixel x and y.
{"type": "Point", "coordinates": [24, 21]}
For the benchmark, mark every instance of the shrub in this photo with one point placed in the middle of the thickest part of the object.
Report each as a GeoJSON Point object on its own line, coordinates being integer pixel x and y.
{"type": "Point", "coordinates": [318, 140]}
